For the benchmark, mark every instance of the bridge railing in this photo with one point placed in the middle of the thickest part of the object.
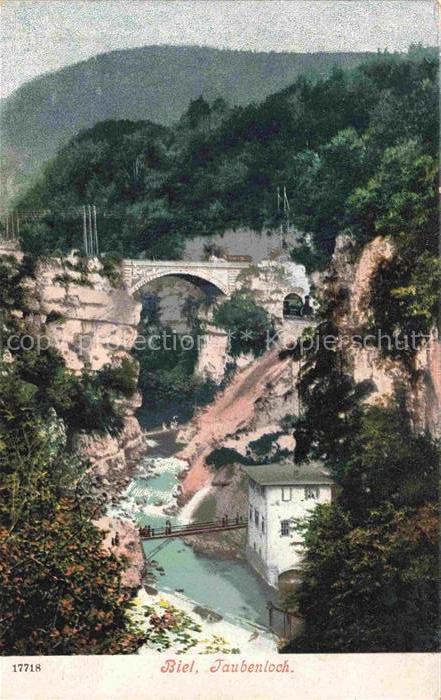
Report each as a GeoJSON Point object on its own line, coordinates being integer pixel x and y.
{"type": "Point", "coordinates": [226, 522]}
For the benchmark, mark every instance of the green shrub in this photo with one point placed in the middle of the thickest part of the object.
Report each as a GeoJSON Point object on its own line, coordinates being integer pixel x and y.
{"type": "Point", "coordinates": [223, 456]}
{"type": "Point", "coordinates": [247, 323]}
{"type": "Point", "coordinates": [111, 268]}
{"type": "Point", "coordinates": [312, 259]}
{"type": "Point", "coordinates": [122, 378]}
{"type": "Point", "coordinates": [54, 316]}
{"type": "Point", "coordinates": [263, 445]}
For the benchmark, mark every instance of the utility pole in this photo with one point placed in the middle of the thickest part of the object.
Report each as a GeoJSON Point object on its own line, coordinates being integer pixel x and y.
{"type": "Point", "coordinates": [90, 231]}
{"type": "Point", "coordinates": [279, 199]}
{"type": "Point", "coordinates": [89, 211]}
{"type": "Point", "coordinates": [285, 224]}
{"type": "Point", "coordinates": [286, 207]}
{"type": "Point", "coordinates": [95, 232]}
{"type": "Point", "coordinates": [86, 248]}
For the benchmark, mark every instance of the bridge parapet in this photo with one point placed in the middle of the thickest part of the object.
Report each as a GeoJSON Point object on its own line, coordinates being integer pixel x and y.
{"type": "Point", "coordinates": [222, 274]}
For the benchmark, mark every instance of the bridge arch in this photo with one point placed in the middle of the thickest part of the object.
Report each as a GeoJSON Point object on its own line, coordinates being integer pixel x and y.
{"type": "Point", "coordinates": [221, 285]}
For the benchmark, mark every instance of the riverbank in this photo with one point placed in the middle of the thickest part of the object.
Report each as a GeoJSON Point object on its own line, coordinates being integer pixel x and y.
{"type": "Point", "coordinates": [195, 629]}
{"type": "Point", "coordinates": [224, 591]}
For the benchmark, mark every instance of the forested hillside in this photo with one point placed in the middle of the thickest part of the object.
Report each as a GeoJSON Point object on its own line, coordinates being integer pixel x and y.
{"type": "Point", "coordinates": [331, 143]}
{"type": "Point", "coordinates": [151, 82]}
{"type": "Point", "coordinates": [358, 153]}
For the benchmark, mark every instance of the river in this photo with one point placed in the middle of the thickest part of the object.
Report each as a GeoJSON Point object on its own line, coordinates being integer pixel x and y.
{"type": "Point", "coordinates": [228, 587]}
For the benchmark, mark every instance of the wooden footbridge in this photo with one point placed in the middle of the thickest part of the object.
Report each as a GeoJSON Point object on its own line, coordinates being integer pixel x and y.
{"type": "Point", "coordinates": [199, 528]}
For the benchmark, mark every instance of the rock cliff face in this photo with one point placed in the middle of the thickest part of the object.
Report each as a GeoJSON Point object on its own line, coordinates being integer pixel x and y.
{"type": "Point", "coordinates": [227, 494]}
{"type": "Point", "coordinates": [353, 280]}
{"type": "Point", "coordinates": [271, 281]}
{"type": "Point", "coordinates": [129, 548]}
{"type": "Point", "coordinates": [92, 323]}
{"type": "Point", "coordinates": [264, 391]}
{"type": "Point", "coordinates": [258, 397]}
{"type": "Point", "coordinates": [427, 394]}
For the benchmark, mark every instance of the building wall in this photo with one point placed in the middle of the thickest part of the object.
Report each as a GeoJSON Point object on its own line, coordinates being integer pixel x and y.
{"type": "Point", "coordinates": [257, 538]}
{"type": "Point", "coordinates": [268, 551]}
{"type": "Point", "coordinates": [285, 552]}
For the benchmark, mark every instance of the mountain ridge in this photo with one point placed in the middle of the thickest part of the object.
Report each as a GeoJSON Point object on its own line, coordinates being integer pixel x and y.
{"type": "Point", "coordinates": [154, 83]}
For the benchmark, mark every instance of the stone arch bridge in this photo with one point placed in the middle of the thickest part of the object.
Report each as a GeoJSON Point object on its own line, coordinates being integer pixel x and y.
{"type": "Point", "coordinates": [221, 273]}
{"type": "Point", "coordinates": [270, 282]}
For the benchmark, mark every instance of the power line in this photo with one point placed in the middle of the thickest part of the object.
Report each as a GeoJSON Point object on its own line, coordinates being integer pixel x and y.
{"type": "Point", "coordinates": [72, 212]}
{"type": "Point", "coordinates": [11, 226]}
{"type": "Point", "coordinates": [86, 213]}
{"type": "Point", "coordinates": [90, 231]}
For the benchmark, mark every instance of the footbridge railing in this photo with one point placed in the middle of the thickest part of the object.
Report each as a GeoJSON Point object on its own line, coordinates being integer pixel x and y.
{"type": "Point", "coordinates": [199, 528]}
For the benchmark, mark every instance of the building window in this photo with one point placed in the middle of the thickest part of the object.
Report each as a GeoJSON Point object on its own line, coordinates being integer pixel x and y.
{"type": "Point", "coordinates": [256, 517]}
{"type": "Point", "coordinates": [263, 524]}
{"type": "Point", "coordinates": [286, 493]}
{"type": "Point", "coordinates": [251, 512]}
{"type": "Point", "coordinates": [312, 492]}
{"type": "Point", "coordinates": [284, 528]}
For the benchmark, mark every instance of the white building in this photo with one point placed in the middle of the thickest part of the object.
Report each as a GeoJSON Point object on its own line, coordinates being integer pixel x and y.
{"type": "Point", "coordinates": [278, 494]}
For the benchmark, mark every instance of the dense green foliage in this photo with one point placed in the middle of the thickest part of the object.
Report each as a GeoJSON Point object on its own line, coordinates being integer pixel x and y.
{"type": "Point", "coordinates": [61, 590]}
{"type": "Point", "coordinates": [371, 565]}
{"type": "Point", "coordinates": [371, 562]}
{"type": "Point", "coordinates": [330, 398]}
{"type": "Point", "coordinates": [167, 362]}
{"type": "Point", "coordinates": [261, 451]}
{"type": "Point", "coordinates": [370, 570]}
{"type": "Point", "coordinates": [248, 324]}
{"type": "Point", "coordinates": [89, 401]}
{"type": "Point", "coordinates": [224, 456]}
{"type": "Point", "coordinates": [219, 167]}
{"type": "Point", "coordinates": [149, 82]}
{"type": "Point", "coordinates": [357, 151]}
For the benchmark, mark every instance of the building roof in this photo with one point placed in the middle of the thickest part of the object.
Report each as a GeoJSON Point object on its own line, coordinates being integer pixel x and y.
{"type": "Point", "coordinates": [288, 474]}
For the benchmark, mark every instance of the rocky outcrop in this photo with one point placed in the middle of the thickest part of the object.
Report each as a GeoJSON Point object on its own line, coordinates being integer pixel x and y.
{"type": "Point", "coordinates": [127, 548]}
{"type": "Point", "coordinates": [113, 457]}
{"type": "Point", "coordinates": [271, 281]}
{"type": "Point", "coordinates": [227, 496]}
{"type": "Point", "coordinates": [257, 397]}
{"type": "Point", "coordinates": [93, 323]}
{"type": "Point", "coordinates": [352, 279]}
{"type": "Point", "coordinates": [426, 397]}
